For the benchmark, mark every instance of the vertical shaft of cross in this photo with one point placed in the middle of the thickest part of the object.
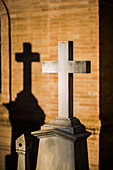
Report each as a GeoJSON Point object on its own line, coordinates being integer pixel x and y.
{"type": "Point", "coordinates": [27, 76]}
{"type": "Point", "coordinates": [27, 67]}
{"type": "Point", "coordinates": [70, 88]}
{"type": "Point", "coordinates": [27, 57]}
{"type": "Point", "coordinates": [65, 87]}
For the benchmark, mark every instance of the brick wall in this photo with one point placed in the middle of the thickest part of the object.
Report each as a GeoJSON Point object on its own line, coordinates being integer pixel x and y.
{"type": "Point", "coordinates": [43, 24]}
{"type": "Point", "coordinates": [5, 126]}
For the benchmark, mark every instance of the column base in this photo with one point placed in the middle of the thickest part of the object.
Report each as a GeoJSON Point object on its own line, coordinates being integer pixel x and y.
{"type": "Point", "coordinates": [63, 145]}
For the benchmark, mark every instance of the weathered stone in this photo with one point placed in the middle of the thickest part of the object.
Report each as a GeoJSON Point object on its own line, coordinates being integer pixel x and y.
{"type": "Point", "coordinates": [62, 147]}
{"type": "Point", "coordinates": [26, 147]}
{"type": "Point", "coordinates": [64, 67]}
{"type": "Point", "coordinates": [63, 141]}
{"type": "Point", "coordinates": [21, 150]}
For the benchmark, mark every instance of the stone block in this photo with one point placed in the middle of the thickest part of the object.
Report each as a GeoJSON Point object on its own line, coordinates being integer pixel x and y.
{"type": "Point", "coordinates": [61, 148]}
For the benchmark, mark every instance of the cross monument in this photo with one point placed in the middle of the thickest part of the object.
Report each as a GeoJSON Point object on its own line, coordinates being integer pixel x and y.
{"type": "Point", "coordinates": [65, 67]}
{"type": "Point", "coordinates": [63, 139]}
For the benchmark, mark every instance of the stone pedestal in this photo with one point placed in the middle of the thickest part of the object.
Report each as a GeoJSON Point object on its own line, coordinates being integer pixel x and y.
{"type": "Point", "coordinates": [63, 145]}
{"type": "Point", "coordinates": [27, 149]}
{"type": "Point", "coordinates": [21, 150]}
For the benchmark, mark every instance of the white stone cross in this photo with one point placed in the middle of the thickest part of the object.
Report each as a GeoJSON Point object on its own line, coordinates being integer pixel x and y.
{"type": "Point", "coordinates": [65, 68]}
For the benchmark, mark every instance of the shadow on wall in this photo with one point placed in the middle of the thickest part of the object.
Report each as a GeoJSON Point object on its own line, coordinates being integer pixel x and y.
{"type": "Point", "coordinates": [25, 114]}
{"type": "Point", "coordinates": [106, 84]}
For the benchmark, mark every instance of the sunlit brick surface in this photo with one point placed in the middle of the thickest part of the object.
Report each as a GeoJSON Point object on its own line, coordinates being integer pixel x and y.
{"type": "Point", "coordinates": [43, 24]}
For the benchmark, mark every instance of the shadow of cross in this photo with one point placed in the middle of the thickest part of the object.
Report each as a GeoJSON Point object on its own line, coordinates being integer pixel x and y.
{"type": "Point", "coordinates": [65, 68]}
{"type": "Point", "coordinates": [27, 57]}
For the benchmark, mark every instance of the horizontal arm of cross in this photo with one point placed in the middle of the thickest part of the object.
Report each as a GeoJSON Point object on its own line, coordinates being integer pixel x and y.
{"type": "Point", "coordinates": [78, 66]}
{"type": "Point", "coordinates": [50, 67]}
{"type": "Point", "coordinates": [32, 57]}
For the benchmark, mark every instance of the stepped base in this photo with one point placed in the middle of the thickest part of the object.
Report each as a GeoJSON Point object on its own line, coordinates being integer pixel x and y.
{"type": "Point", "coordinates": [63, 145]}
